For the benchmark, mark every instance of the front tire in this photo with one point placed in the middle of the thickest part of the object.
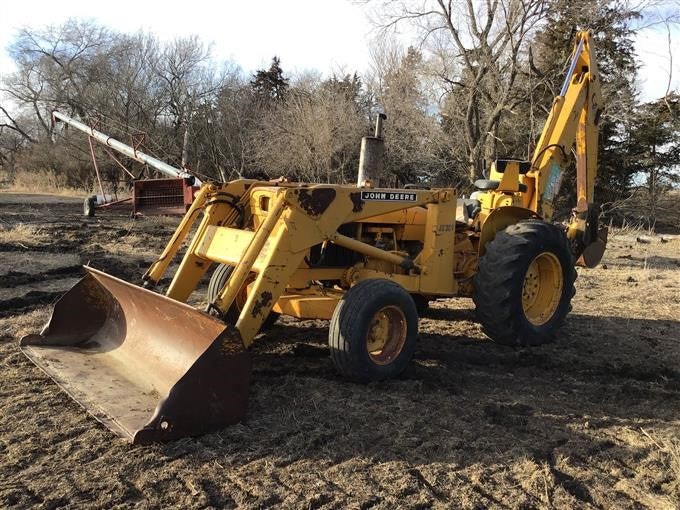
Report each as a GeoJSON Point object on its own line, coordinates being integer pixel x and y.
{"type": "Point", "coordinates": [217, 282]}
{"type": "Point", "coordinates": [373, 331]}
{"type": "Point", "coordinates": [524, 284]}
{"type": "Point", "coordinates": [422, 304]}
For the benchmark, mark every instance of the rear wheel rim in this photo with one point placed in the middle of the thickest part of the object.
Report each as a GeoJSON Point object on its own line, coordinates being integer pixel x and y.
{"type": "Point", "coordinates": [386, 335]}
{"type": "Point", "coordinates": [542, 288]}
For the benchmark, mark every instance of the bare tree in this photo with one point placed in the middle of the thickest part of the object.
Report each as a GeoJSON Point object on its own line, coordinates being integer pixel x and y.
{"type": "Point", "coordinates": [189, 78]}
{"type": "Point", "coordinates": [222, 127]}
{"type": "Point", "coordinates": [57, 66]}
{"type": "Point", "coordinates": [11, 123]}
{"type": "Point", "coordinates": [416, 146]}
{"type": "Point", "coordinates": [313, 136]}
{"type": "Point", "coordinates": [476, 49]}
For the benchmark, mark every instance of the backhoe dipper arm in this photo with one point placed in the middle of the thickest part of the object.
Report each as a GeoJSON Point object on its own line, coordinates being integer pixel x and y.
{"type": "Point", "coordinates": [572, 121]}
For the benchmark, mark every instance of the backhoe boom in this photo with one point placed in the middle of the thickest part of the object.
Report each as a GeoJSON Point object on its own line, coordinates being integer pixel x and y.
{"type": "Point", "coordinates": [573, 121]}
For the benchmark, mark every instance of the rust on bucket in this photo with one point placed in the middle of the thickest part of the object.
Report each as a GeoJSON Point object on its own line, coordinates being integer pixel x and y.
{"type": "Point", "coordinates": [148, 367]}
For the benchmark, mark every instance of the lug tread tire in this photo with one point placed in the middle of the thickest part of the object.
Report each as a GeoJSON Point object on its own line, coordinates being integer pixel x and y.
{"type": "Point", "coordinates": [498, 283]}
{"type": "Point", "coordinates": [217, 281]}
{"type": "Point", "coordinates": [349, 327]}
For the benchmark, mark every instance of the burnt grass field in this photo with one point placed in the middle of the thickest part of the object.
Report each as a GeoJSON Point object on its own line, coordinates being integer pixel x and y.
{"type": "Point", "coordinates": [591, 420]}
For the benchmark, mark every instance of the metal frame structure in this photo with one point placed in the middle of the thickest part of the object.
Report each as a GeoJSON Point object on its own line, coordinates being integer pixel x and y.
{"type": "Point", "coordinates": [172, 195]}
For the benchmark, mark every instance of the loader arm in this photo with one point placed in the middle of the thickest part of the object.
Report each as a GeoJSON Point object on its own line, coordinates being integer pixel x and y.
{"type": "Point", "coordinates": [572, 123]}
{"type": "Point", "coordinates": [297, 218]}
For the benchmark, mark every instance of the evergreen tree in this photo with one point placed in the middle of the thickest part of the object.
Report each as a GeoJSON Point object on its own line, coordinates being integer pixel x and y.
{"type": "Point", "coordinates": [654, 148]}
{"type": "Point", "coordinates": [610, 24]}
{"type": "Point", "coordinates": [270, 85]}
{"type": "Point", "coordinates": [349, 86]}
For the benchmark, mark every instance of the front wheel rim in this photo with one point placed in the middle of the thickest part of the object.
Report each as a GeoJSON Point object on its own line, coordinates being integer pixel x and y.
{"type": "Point", "coordinates": [386, 335]}
{"type": "Point", "coordinates": [542, 288]}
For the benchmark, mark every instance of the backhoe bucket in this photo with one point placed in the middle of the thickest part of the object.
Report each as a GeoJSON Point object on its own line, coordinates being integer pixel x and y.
{"type": "Point", "coordinates": [148, 367]}
{"type": "Point", "coordinates": [593, 253]}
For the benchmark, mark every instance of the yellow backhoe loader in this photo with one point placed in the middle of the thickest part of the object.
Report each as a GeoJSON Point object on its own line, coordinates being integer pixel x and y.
{"type": "Point", "coordinates": [151, 367]}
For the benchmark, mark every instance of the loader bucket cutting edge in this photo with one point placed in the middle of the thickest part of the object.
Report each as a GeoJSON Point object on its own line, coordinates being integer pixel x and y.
{"type": "Point", "coordinates": [146, 366]}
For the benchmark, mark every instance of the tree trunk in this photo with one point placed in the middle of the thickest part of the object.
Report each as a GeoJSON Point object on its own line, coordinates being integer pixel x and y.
{"type": "Point", "coordinates": [185, 147]}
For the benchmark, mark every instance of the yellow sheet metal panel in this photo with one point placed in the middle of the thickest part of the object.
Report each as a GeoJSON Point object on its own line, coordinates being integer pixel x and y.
{"type": "Point", "coordinates": [409, 223]}
{"type": "Point", "coordinates": [437, 257]}
{"type": "Point", "coordinates": [308, 306]}
{"type": "Point", "coordinates": [225, 245]}
{"type": "Point", "coordinates": [410, 282]}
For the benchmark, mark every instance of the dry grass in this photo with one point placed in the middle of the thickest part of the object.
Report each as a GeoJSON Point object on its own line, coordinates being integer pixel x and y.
{"type": "Point", "coordinates": [131, 242]}
{"type": "Point", "coordinates": [22, 233]}
{"type": "Point", "coordinates": [635, 272]}
{"type": "Point", "coordinates": [45, 182]}
{"type": "Point", "coordinates": [127, 244]}
{"type": "Point", "coordinates": [164, 221]}
{"type": "Point", "coordinates": [24, 324]}
{"type": "Point", "coordinates": [672, 449]}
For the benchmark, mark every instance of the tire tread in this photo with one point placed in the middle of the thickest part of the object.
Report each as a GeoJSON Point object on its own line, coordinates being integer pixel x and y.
{"type": "Point", "coordinates": [498, 271]}
{"type": "Point", "coordinates": [345, 326]}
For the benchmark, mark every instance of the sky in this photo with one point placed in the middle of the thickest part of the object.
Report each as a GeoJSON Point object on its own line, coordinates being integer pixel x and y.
{"type": "Point", "coordinates": [326, 35]}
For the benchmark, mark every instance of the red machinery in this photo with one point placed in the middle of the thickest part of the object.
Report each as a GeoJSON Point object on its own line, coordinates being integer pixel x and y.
{"type": "Point", "coordinates": [172, 195]}
{"type": "Point", "coordinates": [163, 196]}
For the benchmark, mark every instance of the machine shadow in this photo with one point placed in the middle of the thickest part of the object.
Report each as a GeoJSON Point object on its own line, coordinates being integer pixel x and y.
{"type": "Point", "coordinates": [464, 400]}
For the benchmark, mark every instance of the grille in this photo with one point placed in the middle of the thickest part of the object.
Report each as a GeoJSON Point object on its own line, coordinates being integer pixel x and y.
{"type": "Point", "coordinates": [167, 196]}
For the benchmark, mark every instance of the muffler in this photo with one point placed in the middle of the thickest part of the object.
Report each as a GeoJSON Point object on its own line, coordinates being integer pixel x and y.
{"type": "Point", "coordinates": [146, 366]}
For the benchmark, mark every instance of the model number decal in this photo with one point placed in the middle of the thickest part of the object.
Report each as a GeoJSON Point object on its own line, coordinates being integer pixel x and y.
{"type": "Point", "coordinates": [389, 196]}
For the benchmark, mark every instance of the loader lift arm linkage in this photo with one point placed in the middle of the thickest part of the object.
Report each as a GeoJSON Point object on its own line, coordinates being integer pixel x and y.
{"type": "Point", "coordinates": [368, 259]}
{"type": "Point", "coordinates": [289, 221]}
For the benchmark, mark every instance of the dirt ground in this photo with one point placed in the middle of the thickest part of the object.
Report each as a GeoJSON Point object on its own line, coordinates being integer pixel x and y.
{"type": "Point", "coordinates": [589, 421]}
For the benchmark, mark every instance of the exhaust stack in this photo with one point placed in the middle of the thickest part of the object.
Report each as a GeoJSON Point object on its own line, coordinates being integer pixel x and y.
{"type": "Point", "coordinates": [371, 156]}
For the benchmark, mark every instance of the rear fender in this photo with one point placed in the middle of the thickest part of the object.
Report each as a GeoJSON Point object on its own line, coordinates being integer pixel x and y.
{"type": "Point", "coordinates": [500, 219]}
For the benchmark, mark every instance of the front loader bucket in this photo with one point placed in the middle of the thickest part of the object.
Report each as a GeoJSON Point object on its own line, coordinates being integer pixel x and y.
{"type": "Point", "coordinates": [148, 367]}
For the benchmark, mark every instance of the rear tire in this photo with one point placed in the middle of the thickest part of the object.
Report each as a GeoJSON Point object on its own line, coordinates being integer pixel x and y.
{"type": "Point", "coordinates": [217, 282]}
{"type": "Point", "coordinates": [524, 284]}
{"type": "Point", "coordinates": [373, 331]}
